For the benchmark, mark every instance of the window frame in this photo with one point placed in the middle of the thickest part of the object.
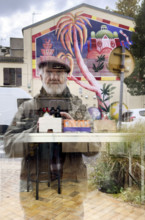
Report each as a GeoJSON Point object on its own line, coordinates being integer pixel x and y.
{"type": "Point", "coordinates": [9, 80]}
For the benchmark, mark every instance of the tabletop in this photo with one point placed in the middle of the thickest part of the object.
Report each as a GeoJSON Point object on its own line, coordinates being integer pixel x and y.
{"type": "Point", "coordinates": [80, 137]}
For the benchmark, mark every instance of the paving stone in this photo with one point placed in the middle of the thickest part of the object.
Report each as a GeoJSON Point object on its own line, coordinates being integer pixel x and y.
{"type": "Point", "coordinates": [75, 202]}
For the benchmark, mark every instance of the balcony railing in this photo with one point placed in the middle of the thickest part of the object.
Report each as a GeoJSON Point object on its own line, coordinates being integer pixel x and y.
{"type": "Point", "coordinates": [11, 59]}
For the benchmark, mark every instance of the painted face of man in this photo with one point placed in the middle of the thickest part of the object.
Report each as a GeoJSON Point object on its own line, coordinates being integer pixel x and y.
{"type": "Point", "coordinates": [53, 80]}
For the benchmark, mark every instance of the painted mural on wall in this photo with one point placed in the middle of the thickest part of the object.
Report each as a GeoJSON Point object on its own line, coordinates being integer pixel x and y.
{"type": "Point", "coordinates": [86, 42]}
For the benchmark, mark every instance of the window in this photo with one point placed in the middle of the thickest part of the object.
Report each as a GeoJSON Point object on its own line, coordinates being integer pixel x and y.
{"type": "Point", "coordinates": [12, 76]}
{"type": "Point", "coordinates": [126, 116]}
{"type": "Point", "coordinates": [142, 113]}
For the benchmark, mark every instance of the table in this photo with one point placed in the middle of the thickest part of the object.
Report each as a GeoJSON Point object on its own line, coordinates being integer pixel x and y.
{"type": "Point", "coordinates": [92, 138]}
{"type": "Point", "coordinates": [79, 137]}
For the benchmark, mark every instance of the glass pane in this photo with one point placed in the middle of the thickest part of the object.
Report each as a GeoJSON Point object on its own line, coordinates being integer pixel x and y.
{"type": "Point", "coordinates": [142, 113]}
{"type": "Point", "coordinates": [126, 116]}
{"type": "Point", "coordinates": [12, 76]}
{"type": "Point", "coordinates": [9, 76]}
{"type": "Point", "coordinates": [18, 76]}
{"type": "Point", "coordinates": [6, 76]}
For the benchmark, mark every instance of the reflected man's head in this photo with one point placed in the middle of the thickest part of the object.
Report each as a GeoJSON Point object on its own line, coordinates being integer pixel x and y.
{"type": "Point", "coordinates": [53, 74]}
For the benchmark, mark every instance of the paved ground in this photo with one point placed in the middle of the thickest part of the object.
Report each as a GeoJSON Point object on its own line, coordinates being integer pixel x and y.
{"type": "Point", "coordinates": [74, 203]}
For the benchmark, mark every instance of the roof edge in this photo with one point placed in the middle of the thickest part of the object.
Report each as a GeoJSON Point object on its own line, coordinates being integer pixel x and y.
{"type": "Point", "coordinates": [73, 8]}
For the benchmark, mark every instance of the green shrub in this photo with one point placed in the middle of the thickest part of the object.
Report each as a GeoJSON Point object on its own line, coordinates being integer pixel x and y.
{"type": "Point", "coordinates": [107, 175]}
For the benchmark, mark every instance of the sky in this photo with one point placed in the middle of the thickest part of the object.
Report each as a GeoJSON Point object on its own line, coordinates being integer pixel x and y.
{"type": "Point", "coordinates": [17, 14]}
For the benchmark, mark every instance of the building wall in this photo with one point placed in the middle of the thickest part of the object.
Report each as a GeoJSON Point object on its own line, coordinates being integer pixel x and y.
{"type": "Point", "coordinates": [15, 65]}
{"type": "Point", "coordinates": [14, 60]}
{"type": "Point", "coordinates": [16, 47]}
{"type": "Point", "coordinates": [35, 83]}
{"type": "Point", "coordinates": [130, 101]}
{"type": "Point", "coordinates": [28, 59]}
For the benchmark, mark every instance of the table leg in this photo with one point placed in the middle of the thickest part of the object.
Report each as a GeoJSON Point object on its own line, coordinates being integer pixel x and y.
{"type": "Point", "coordinates": [28, 174]}
{"type": "Point", "coordinates": [37, 173]}
{"type": "Point", "coordinates": [49, 170]}
{"type": "Point", "coordinates": [59, 188]}
{"type": "Point", "coordinates": [130, 163]}
{"type": "Point", "coordinates": [142, 171]}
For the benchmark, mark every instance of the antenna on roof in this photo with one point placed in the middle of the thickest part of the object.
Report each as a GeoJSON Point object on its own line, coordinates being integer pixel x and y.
{"type": "Point", "coordinates": [33, 16]}
{"type": "Point", "coordinates": [2, 40]}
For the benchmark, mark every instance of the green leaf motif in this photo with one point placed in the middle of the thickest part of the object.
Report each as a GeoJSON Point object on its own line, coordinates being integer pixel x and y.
{"type": "Point", "coordinates": [107, 93]}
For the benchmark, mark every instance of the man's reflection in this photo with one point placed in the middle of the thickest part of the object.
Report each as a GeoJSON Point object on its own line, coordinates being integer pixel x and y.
{"type": "Point", "coordinates": [54, 92]}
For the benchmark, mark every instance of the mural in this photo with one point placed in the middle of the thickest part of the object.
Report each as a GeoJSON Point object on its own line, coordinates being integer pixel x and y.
{"type": "Point", "coordinates": [86, 42]}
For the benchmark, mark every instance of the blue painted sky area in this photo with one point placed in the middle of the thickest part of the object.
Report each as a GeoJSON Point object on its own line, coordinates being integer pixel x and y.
{"type": "Point", "coordinates": [96, 26]}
